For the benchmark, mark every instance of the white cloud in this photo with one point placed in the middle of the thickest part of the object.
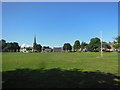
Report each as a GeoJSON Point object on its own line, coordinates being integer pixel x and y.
{"type": "Point", "coordinates": [24, 45]}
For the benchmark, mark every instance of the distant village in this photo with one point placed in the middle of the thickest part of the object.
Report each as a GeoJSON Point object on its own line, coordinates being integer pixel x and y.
{"type": "Point", "coordinates": [25, 48]}
{"type": "Point", "coordinates": [95, 45]}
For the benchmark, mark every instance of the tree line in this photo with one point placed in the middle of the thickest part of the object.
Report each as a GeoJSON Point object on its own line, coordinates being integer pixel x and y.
{"type": "Point", "coordinates": [117, 45]}
{"type": "Point", "coordinates": [93, 46]}
{"type": "Point", "coordinates": [9, 46]}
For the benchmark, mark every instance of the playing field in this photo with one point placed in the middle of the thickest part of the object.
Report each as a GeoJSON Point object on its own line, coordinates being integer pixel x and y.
{"type": "Point", "coordinates": [88, 61]}
{"type": "Point", "coordinates": [60, 70]}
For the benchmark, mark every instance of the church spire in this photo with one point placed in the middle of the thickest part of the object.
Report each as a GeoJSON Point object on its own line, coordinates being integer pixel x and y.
{"type": "Point", "coordinates": [35, 39]}
{"type": "Point", "coordinates": [34, 44]}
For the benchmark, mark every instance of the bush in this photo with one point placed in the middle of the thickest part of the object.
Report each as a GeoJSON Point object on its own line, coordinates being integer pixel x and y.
{"type": "Point", "coordinates": [35, 51]}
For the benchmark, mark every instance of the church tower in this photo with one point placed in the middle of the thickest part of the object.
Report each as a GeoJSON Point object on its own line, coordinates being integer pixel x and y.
{"type": "Point", "coordinates": [34, 44]}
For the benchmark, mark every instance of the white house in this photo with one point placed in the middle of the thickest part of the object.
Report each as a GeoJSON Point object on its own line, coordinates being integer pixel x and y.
{"type": "Point", "coordinates": [24, 48]}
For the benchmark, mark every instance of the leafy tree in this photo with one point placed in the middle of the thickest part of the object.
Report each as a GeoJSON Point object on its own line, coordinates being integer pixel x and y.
{"type": "Point", "coordinates": [118, 39]}
{"type": "Point", "coordinates": [116, 46]}
{"type": "Point", "coordinates": [83, 45]}
{"type": "Point", "coordinates": [28, 49]}
{"type": "Point", "coordinates": [106, 45]}
{"type": "Point", "coordinates": [76, 45]}
{"type": "Point", "coordinates": [67, 47]}
{"type": "Point", "coordinates": [94, 44]}
{"type": "Point", "coordinates": [2, 45]}
{"type": "Point", "coordinates": [35, 51]}
{"type": "Point", "coordinates": [88, 48]}
{"type": "Point", "coordinates": [9, 47]}
{"type": "Point", "coordinates": [12, 47]}
{"type": "Point", "coordinates": [38, 47]}
{"type": "Point", "coordinates": [115, 42]}
{"type": "Point", "coordinates": [45, 47]}
{"type": "Point", "coordinates": [15, 46]}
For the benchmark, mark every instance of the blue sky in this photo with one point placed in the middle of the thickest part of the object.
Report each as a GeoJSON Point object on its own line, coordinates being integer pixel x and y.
{"type": "Point", "coordinates": [56, 23]}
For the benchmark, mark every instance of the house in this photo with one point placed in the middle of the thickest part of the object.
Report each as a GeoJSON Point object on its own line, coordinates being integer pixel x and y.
{"type": "Point", "coordinates": [57, 49]}
{"type": "Point", "coordinates": [46, 49]}
{"type": "Point", "coordinates": [25, 48]}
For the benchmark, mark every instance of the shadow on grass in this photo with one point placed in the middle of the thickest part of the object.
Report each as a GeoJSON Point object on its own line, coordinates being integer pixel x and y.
{"type": "Point", "coordinates": [58, 78]}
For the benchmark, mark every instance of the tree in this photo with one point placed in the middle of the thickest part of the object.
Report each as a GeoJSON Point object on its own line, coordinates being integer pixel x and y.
{"type": "Point", "coordinates": [67, 47]}
{"type": "Point", "coordinates": [94, 44]}
{"type": "Point", "coordinates": [28, 49]}
{"type": "Point", "coordinates": [83, 45]}
{"type": "Point", "coordinates": [106, 45]}
{"type": "Point", "coordinates": [9, 47]}
{"type": "Point", "coordinates": [88, 47]}
{"type": "Point", "coordinates": [12, 47]}
{"type": "Point", "coordinates": [2, 45]}
{"type": "Point", "coordinates": [76, 45]}
{"type": "Point", "coordinates": [15, 46]}
{"type": "Point", "coordinates": [118, 39]}
{"type": "Point", "coordinates": [45, 47]}
{"type": "Point", "coordinates": [38, 47]}
{"type": "Point", "coordinates": [117, 45]}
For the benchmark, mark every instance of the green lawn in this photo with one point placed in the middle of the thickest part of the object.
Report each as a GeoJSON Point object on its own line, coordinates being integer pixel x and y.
{"type": "Point", "coordinates": [90, 61]}
{"type": "Point", "coordinates": [69, 70]}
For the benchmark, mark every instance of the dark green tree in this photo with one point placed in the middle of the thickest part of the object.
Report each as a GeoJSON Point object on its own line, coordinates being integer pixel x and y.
{"type": "Point", "coordinates": [45, 47]}
{"type": "Point", "coordinates": [67, 47]}
{"type": "Point", "coordinates": [28, 49]}
{"type": "Point", "coordinates": [76, 45]}
{"type": "Point", "coordinates": [88, 47]}
{"type": "Point", "coordinates": [83, 45]}
{"type": "Point", "coordinates": [38, 47]}
{"type": "Point", "coordinates": [2, 45]}
{"type": "Point", "coordinates": [105, 46]}
{"type": "Point", "coordinates": [12, 47]}
{"type": "Point", "coordinates": [94, 44]}
{"type": "Point", "coordinates": [118, 39]}
{"type": "Point", "coordinates": [15, 46]}
{"type": "Point", "coordinates": [9, 47]}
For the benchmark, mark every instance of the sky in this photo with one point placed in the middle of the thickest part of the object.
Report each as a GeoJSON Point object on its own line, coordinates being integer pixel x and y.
{"type": "Point", "coordinates": [60, 0]}
{"type": "Point", "coordinates": [56, 23]}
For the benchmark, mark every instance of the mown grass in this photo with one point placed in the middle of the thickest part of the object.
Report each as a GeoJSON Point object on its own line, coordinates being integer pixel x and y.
{"type": "Point", "coordinates": [58, 78]}
{"type": "Point", "coordinates": [60, 70]}
{"type": "Point", "coordinates": [89, 61]}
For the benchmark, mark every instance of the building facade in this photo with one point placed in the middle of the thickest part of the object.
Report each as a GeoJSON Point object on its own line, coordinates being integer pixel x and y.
{"type": "Point", "coordinates": [46, 49]}
{"type": "Point", "coordinates": [25, 48]}
{"type": "Point", "coordinates": [57, 49]}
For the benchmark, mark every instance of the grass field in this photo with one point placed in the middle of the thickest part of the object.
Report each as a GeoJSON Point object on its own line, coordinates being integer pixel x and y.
{"type": "Point", "coordinates": [86, 61]}
{"type": "Point", "coordinates": [65, 67]}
